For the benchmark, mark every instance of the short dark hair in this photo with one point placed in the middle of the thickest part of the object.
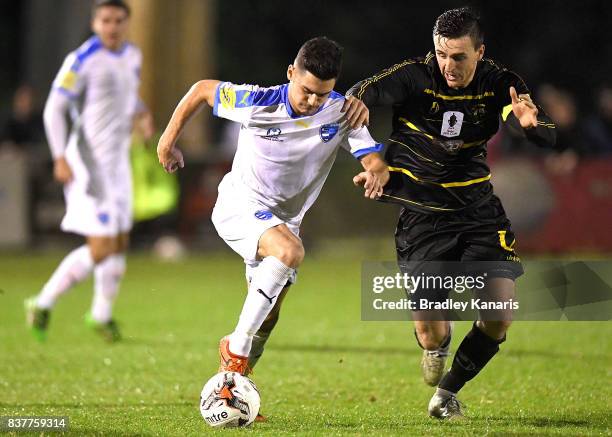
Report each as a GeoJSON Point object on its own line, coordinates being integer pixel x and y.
{"type": "Point", "coordinates": [97, 4]}
{"type": "Point", "coordinates": [460, 22]}
{"type": "Point", "coordinates": [320, 56]}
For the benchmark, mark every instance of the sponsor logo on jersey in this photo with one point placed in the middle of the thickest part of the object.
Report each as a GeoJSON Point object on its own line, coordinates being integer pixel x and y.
{"type": "Point", "coordinates": [451, 124]}
{"type": "Point", "coordinates": [329, 131]}
{"type": "Point", "coordinates": [451, 146]}
{"type": "Point", "coordinates": [243, 101]}
{"type": "Point", "coordinates": [227, 97]}
{"type": "Point", "coordinates": [273, 134]}
{"type": "Point", "coordinates": [103, 217]}
{"type": "Point", "coordinates": [479, 111]}
{"type": "Point", "coordinates": [263, 214]}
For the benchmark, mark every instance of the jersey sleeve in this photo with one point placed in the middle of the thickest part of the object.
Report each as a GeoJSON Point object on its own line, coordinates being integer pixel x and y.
{"type": "Point", "coordinates": [360, 143]}
{"type": "Point", "coordinates": [70, 79]}
{"type": "Point", "coordinates": [235, 102]}
{"type": "Point", "coordinates": [393, 85]}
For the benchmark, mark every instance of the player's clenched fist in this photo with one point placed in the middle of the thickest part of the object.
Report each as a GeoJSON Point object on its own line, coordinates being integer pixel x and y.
{"type": "Point", "coordinates": [170, 157]}
{"type": "Point", "coordinates": [61, 171]}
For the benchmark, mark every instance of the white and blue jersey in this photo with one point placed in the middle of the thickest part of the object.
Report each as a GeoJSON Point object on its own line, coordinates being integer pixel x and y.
{"type": "Point", "coordinates": [102, 86]}
{"type": "Point", "coordinates": [283, 159]}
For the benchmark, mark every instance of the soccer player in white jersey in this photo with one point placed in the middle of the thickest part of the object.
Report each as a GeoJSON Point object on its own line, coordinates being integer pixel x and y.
{"type": "Point", "coordinates": [288, 141]}
{"type": "Point", "coordinates": [98, 87]}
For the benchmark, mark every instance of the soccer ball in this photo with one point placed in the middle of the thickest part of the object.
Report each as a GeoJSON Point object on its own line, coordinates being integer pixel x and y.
{"type": "Point", "coordinates": [229, 399]}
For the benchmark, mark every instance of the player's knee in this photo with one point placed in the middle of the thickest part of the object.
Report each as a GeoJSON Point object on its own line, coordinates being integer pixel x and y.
{"type": "Point", "coordinates": [496, 329]}
{"type": "Point", "coordinates": [290, 253]}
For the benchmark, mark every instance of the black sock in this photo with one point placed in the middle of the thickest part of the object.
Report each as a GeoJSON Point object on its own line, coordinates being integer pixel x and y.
{"type": "Point", "coordinates": [473, 354]}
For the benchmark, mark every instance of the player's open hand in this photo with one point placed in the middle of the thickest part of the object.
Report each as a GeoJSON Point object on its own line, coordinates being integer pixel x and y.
{"type": "Point", "coordinates": [170, 157]}
{"type": "Point", "coordinates": [357, 113]}
{"type": "Point", "coordinates": [61, 171]}
{"type": "Point", "coordinates": [524, 109]}
{"type": "Point", "coordinates": [372, 182]}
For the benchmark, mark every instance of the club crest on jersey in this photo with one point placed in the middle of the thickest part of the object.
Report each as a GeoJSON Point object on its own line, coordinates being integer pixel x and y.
{"type": "Point", "coordinates": [451, 124]}
{"type": "Point", "coordinates": [263, 214]}
{"type": "Point", "coordinates": [103, 217]}
{"type": "Point", "coordinates": [329, 131]}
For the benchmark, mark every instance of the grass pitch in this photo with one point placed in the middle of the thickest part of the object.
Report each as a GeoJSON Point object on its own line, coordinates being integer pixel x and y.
{"type": "Point", "coordinates": [324, 372]}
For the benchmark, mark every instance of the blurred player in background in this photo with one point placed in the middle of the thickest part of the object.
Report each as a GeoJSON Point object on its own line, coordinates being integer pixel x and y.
{"type": "Point", "coordinates": [288, 141]}
{"type": "Point", "coordinates": [446, 106]}
{"type": "Point", "coordinates": [98, 87]}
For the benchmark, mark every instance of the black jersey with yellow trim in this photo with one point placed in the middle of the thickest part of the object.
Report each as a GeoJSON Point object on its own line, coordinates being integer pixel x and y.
{"type": "Point", "coordinates": [437, 150]}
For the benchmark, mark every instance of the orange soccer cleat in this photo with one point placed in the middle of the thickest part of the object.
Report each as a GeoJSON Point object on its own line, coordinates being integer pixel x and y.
{"type": "Point", "coordinates": [229, 362]}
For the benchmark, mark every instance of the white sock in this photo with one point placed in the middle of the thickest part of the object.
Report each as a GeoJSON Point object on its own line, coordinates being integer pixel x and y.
{"type": "Point", "coordinates": [107, 276]}
{"type": "Point", "coordinates": [266, 284]}
{"type": "Point", "coordinates": [73, 269]}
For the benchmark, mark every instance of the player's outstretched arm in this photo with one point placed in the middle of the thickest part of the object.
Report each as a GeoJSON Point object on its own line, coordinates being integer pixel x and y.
{"type": "Point", "coordinates": [170, 157]}
{"type": "Point", "coordinates": [375, 176]}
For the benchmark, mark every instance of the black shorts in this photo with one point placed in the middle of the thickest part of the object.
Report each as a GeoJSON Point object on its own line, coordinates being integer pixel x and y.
{"type": "Point", "coordinates": [481, 235]}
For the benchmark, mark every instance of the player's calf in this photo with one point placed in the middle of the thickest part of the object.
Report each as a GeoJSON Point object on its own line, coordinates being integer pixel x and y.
{"type": "Point", "coordinates": [433, 361]}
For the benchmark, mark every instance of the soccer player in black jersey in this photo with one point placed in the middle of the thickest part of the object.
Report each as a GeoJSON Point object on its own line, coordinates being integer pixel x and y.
{"type": "Point", "coordinates": [446, 106]}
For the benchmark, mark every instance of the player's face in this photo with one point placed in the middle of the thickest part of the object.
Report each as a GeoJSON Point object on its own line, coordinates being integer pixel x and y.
{"type": "Point", "coordinates": [110, 23]}
{"type": "Point", "coordinates": [306, 91]}
{"type": "Point", "coordinates": [457, 59]}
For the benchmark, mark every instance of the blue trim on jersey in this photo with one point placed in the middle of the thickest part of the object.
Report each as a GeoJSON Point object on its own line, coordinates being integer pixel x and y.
{"type": "Point", "coordinates": [267, 97]}
{"type": "Point", "coordinates": [262, 97]}
{"type": "Point", "coordinates": [363, 152]}
{"type": "Point", "coordinates": [91, 46]}
{"type": "Point", "coordinates": [65, 92]}
{"type": "Point", "coordinates": [216, 104]}
{"type": "Point", "coordinates": [285, 94]}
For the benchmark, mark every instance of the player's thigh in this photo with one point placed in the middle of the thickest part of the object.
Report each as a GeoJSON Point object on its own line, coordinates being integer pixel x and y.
{"type": "Point", "coordinates": [425, 237]}
{"type": "Point", "coordinates": [101, 247]}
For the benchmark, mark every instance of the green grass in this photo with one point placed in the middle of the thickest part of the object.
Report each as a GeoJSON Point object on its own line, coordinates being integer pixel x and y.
{"type": "Point", "coordinates": [325, 372]}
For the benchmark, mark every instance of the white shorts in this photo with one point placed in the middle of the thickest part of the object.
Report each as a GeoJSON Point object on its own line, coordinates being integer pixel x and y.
{"type": "Point", "coordinates": [241, 222]}
{"type": "Point", "coordinates": [97, 204]}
